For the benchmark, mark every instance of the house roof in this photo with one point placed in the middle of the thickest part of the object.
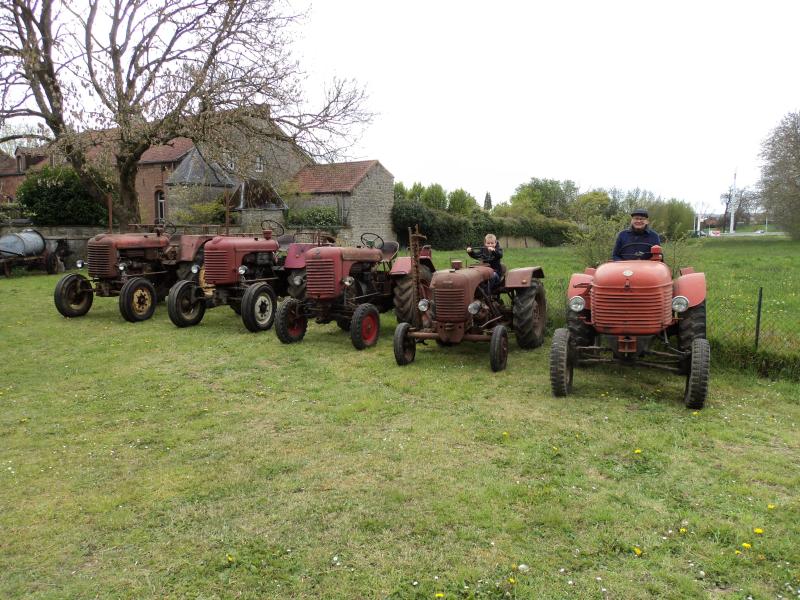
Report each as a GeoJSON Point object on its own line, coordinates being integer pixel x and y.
{"type": "Point", "coordinates": [332, 178]}
{"type": "Point", "coordinates": [172, 151]}
{"type": "Point", "coordinates": [194, 170]}
{"type": "Point", "coordinates": [8, 164]}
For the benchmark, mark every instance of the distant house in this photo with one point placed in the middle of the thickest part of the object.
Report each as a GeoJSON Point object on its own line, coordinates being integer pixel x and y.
{"type": "Point", "coordinates": [179, 174]}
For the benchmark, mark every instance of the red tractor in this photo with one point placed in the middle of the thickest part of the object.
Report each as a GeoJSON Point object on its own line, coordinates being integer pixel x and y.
{"type": "Point", "coordinates": [632, 312]}
{"type": "Point", "coordinates": [139, 267]}
{"type": "Point", "coordinates": [247, 273]}
{"type": "Point", "coordinates": [463, 307]}
{"type": "Point", "coordinates": [352, 286]}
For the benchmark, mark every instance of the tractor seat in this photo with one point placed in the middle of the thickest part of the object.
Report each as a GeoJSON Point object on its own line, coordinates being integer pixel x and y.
{"type": "Point", "coordinates": [389, 251]}
{"type": "Point", "coordinates": [284, 241]}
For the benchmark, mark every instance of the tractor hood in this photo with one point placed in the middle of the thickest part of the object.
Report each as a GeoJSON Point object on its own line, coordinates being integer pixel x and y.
{"type": "Point", "coordinates": [467, 279]}
{"type": "Point", "coordinates": [632, 274]}
{"type": "Point", "coordinates": [130, 240]}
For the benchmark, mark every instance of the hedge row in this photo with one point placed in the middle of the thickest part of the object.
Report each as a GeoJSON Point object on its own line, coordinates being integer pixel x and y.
{"type": "Point", "coordinates": [448, 232]}
{"type": "Point", "coordinates": [316, 217]}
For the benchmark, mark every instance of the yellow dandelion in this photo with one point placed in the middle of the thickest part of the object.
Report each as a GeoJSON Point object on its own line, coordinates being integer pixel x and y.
{"type": "Point", "coordinates": [439, 595]}
{"type": "Point", "coordinates": [682, 530]}
{"type": "Point", "coordinates": [637, 451]}
{"type": "Point", "coordinates": [695, 413]}
{"type": "Point", "coordinates": [746, 546]}
{"type": "Point", "coordinates": [512, 581]}
{"type": "Point", "coordinates": [637, 551]}
{"type": "Point", "coordinates": [555, 448]}
{"type": "Point", "coordinates": [770, 506]}
{"type": "Point", "coordinates": [758, 530]}
{"type": "Point", "coordinates": [229, 557]}
{"type": "Point", "coordinates": [505, 434]}
{"type": "Point", "coordinates": [737, 551]}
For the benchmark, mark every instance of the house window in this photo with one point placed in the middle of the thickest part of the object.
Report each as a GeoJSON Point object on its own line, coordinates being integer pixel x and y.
{"type": "Point", "coordinates": [161, 205]}
{"type": "Point", "coordinates": [259, 164]}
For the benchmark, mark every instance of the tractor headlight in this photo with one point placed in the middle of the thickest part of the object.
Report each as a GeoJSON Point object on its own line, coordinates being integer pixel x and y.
{"type": "Point", "coordinates": [474, 307]}
{"type": "Point", "coordinates": [242, 269]}
{"type": "Point", "coordinates": [680, 304]}
{"type": "Point", "coordinates": [348, 281]}
{"type": "Point", "coordinates": [79, 264]}
{"type": "Point", "coordinates": [297, 280]}
{"type": "Point", "coordinates": [122, 266]}
{"type": "Point", "coordinates": [577, 303]}
{"type": "Point", "coordinates": [423, 305]}
{"type": "Point", "coordinates": [195, 269]}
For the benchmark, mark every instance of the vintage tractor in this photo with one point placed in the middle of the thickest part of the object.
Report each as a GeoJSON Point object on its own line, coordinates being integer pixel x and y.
{"type": "Point", "coordinates": [463, 307]}
{"type": "Point", "coordinates": [632, 312]}
{"type": "Point", "coordinates": [352, 286]}
{"type": "Point", "coordinates": [139, 267]}
{"type": "Point", "coordinates": [247, 273]}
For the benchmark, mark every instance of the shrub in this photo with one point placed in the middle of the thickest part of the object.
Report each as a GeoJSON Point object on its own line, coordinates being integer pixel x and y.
{"type": "Point", "coordinates": [316, 217]}
{"type": "Point", "coordinates": [56, 196]}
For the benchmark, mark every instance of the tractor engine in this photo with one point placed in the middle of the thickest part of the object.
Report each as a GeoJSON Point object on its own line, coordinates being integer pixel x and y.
{"type": "Point", "coordinates": [107, 253]}
{"type": "Point", "coordinates": [227, 259]}
{"type": "Point", "coordinates": [454, 293]}
{"type": "Point", "coordinates": [329, 269]}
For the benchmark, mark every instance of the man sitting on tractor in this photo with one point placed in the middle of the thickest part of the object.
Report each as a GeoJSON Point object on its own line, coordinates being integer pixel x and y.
{"type": "Point", "coordinates": [635, 243]}
{"type": "Point", "coordinates": [490, 253]}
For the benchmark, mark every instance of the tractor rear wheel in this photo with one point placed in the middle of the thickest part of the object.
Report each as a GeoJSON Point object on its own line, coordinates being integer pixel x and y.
{"type": "Point", "coordinates": [296, 283]}
{"type": "Point", "coordinates": [561, 363]}
{"type": "Point", "coordinates": [581, 333]}
{"type": "Point", "coordinates": [73, 295]}
{"type": "Point", "coordinates": [404, 307]}
{"type": "Point", "coordinates": [365, 326]}
{"type": "Point", "coordinates": [530, 316]}
{"type": "Point", "coordinates": [137, 300]}
{"type": "Point", "coordinates": [697, 378]}
{"type": "Point", "coordinates": [498, 348]}
{"type": "Point", "coordinates": [290, 323]}
{"type": "Point", "coordinates": [183, 306]}
{"type": "Point", "coordinates": [405, 348]}
{"type": "Point", "coordinates": [258, 307]}
{"type": "Point", "coordinates": [51, 263]}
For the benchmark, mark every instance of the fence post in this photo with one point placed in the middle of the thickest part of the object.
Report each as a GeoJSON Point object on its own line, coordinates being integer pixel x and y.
{"type": "Point", "coordinates": [758, 315]}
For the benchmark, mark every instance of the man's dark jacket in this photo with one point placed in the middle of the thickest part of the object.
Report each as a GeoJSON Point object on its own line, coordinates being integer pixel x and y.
{"type": "Point", "coordinates": [642, 242]}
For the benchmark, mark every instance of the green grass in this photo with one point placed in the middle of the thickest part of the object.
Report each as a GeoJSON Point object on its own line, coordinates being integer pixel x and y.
{"type": "Point", "coordinates": [143, 461]}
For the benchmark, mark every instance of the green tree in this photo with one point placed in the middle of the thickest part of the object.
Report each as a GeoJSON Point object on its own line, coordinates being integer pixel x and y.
{"type": "Point", "coordinates": [672, 218]}
{"type": "Point", "coordinates": [434, 196]}
{"type": "Point", "coordinates": [595, 203]}
{"type": "Point", "coordinates": [780, 174]}
{"type": "Point", "coordinates": [487, 202]}
{"type": "Point", "coordinates": [548, 197]}
{"type": "Point", "coordinates": [415, 192]}
{"type": "Point", "coordinates": [400, 191]}
{"type": "Point", "coordinates": [461, 202]}
{"type": "Point", "coordinates": [57, 196]}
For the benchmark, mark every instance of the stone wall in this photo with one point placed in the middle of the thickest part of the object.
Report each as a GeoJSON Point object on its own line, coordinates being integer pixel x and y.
{"type": "Point", "coordinates": [251, 218]}
{"type": "Point", "coordinates": [370, 208]}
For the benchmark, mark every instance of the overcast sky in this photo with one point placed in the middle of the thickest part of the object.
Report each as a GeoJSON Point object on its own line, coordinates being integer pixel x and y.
{"type": "Point", "coordinates": [668, 96]}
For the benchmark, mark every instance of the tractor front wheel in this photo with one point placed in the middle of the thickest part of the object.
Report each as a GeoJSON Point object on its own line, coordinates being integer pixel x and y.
{"type": "Point", "coordinates": [697, 378]}
{"type": "Point", "coordinates": [137, 300]}
{"type": "Point", "coordinates": [403, 291]}
{"type": "Point", "coordinates": [258, 307]}
{"type": "Point", "coordinates": [290, 323]}
{"type": "Point", "coordinates": [365, 326]}
{"type": "Point", "coordinates": [405, 347]}
{"type": "Point", "coordinates": [73, 295]}
{"type": "Point", "coordinates": [582, 334]}
{"type": "Point", "coordinates": [561, 363]}
{"type": "Point", "coordinates": [498, 348]}
{"type": "Point", "coordinates": [184, 307]}
{"type": "Point", "coordinates": [530, 316]}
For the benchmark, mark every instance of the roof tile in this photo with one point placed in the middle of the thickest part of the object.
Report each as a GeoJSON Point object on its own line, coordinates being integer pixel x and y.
{"type": "Point", "coordinates": [332, 178]}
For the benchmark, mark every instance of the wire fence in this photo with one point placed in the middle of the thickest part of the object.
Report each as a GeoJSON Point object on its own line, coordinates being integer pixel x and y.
{"type": "Point", "coordinates": [752, 328]}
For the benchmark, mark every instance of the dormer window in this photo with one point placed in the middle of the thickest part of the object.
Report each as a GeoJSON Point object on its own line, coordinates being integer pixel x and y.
{"type": "Point", "coordinates": [259, 164]}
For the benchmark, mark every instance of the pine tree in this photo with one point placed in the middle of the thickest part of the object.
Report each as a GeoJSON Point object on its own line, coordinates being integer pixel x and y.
{"type": "Point", "coordinates": [487, 202]}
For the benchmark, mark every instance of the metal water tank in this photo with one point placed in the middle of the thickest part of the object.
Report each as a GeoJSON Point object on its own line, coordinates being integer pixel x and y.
{"type": "Point", "coordinates": [28, 242]}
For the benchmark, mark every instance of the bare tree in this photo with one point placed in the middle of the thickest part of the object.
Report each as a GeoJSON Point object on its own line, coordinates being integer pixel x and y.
{"type": "Point", "coordinates": [780, 174]}
{"type": "Point", "coordinates": [147, 71]}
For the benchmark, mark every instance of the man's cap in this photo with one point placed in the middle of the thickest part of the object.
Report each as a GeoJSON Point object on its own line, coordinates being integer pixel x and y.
{"type": "Point", "coordinates": [640, 212]}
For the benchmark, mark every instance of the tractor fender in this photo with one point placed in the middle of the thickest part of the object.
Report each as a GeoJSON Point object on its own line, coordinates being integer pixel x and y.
{"type": "Point", "coordinates": [579, 285]}
{"type": "Point", "coordinates": [402, 265]}
{"type": "Point", "coordinates": [523, 277]}
{"type": "Point", "coordinates": [692, 286]}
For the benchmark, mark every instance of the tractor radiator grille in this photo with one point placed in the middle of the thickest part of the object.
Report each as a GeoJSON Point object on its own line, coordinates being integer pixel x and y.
{"type": "Point", "coordinates": [320, 278]}
{"type": "Point", "coordinates": [450, 307]}
{"type": "Point", "coordinates": [639, 311]}
{"type": "Point", "coordinates": [215, 263]}
{"type": "Point", "coordinates": [101, 261]}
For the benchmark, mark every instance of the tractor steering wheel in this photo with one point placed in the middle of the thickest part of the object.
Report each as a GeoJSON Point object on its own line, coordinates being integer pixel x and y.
{"type": "Point", "coordinates": [372, 240]}
{"type": "Point", "coordinates": [276, 227]}
{"type": "Point", "coordinates": [636, 255]}
{"type": "Point", "coordinates": [166, 226]}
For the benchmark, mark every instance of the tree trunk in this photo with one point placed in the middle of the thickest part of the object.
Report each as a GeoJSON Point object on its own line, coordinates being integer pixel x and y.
{"type": "Point", "coordinates": [128, 198]}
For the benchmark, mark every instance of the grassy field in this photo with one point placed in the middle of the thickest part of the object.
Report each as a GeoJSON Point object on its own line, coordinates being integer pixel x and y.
{"type": "Point", "coordinates": [143, 461]}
